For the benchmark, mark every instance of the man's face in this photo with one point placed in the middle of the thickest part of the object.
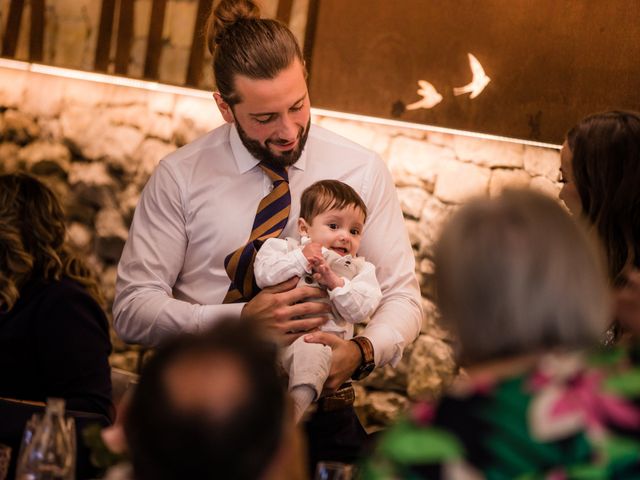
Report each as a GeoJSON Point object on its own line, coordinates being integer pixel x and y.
{"type": "Point", "coordinates": [273, 115]}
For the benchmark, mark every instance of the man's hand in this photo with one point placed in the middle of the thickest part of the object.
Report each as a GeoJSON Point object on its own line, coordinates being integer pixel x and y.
{"type": "Point", "coordinates": [276, 309]}
{"type": "Point", "coordinates": [345, 358]}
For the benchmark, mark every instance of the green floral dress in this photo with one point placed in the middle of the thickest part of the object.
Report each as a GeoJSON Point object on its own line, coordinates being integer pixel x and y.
{"type": "Point", "coordinates": [569, 417]}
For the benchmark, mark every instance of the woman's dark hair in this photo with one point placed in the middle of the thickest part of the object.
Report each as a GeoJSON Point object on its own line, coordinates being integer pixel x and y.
{"type": "Point", "coordinates": [170, 442]}
{"type": "Point", "coordinates": [32, 240]}
{"type": "Point", "coordinates": [606, 168]}
{"type": "Point", "coordinates": [242, 43]}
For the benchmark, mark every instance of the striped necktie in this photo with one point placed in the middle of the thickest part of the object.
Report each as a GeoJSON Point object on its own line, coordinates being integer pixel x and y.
{"type": "Point", "coordinates": [271, 218]}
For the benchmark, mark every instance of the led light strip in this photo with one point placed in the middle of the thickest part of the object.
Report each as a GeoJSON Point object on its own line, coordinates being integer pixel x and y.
{"type": "Point", "coordinates": [194, 92]}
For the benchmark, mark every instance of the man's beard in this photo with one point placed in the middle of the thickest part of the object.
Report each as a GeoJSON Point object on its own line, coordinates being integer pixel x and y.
{"type": "Point", "coordinates": [265, 155]}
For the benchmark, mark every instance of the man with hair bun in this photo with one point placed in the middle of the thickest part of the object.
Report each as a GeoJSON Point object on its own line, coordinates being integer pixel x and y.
{"type": "Point", "coordinates": [210, 205]}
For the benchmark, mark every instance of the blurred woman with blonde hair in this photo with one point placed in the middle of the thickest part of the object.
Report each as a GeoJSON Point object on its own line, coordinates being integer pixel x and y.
{"type": "Point", "coordinates": [54, 335]}
{"type": "Point", "coordinates": [523, 289]}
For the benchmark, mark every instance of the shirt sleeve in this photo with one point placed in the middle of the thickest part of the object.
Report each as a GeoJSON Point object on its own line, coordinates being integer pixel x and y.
{"type": "Point", "coordinates": [144, 309]}
{"type": "Point", "coordinates": [397, 321]}
{"type": "Point", "coordinates": [275, 264]}
{"type": "Point", "coordinates": [357, 298]}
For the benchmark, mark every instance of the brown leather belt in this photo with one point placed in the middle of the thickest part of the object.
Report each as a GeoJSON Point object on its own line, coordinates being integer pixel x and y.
{"type": "Point", "coordinates": [341, 398]}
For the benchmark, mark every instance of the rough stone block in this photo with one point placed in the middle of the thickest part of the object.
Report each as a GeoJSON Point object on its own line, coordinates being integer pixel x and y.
{"type": "Point", "coordinates": [412, 201]}
{"type": "Point", "coordinates": [505, 178]}
{"type": "Point", "coordinates": [542, 161]}
{"type": "Point", "coordinates": [133, 116]}
{"type": "Point", "coordinates": [359, 133]}
{"type": "Point", "coordinates": [93, 186]}
{"type": "Point", "coordinates": [161, 102]}
{"type": "Point", "coordinates": [546, 186]}
{"type": "Point", "coordinates": [458, 181]}
{"type": "Point", "coordinates": [416, 163]}
{"type": "Point", "coordinates": [19, 127]}
{"type": "Point", "coordinates": [193, 117]}
{"type": "Point", "coordinates": [111, 235]}
{"type": "Point", "coordinates": [431, 368]}
{"type": "Point", "coordinates": [383, 408]}
{"type": "Point", "coordinates": [160, 126]}
{"type": "Point", "coordinates": [80, 237]}
{"type": "Point", "coordinates": [146, 158]}
{"type": "Point", "coordinates": [46, 158]}
{"type": "Point", "coordinates": [12, 86]}
{"type": "Point", "coordinates": [433, 216]}
{"type": "Point", "coordinates": [488, 153]}
{"type": "Point", "coordinates": [9, 157]}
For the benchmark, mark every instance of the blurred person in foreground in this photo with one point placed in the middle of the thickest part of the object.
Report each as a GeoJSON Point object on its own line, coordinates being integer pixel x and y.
{"type": "Point", "coordinates": [525, 293]}
{"type": "Point", "coordinates": [600, 170]}
{"type": "Point", "coordinates": [54, 335]}
{"type": "Point", "coordinates": [213, 405]}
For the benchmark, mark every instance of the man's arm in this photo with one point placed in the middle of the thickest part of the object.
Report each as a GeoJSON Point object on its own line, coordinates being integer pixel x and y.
{"type": "Point", "coordinates": [144, 308]}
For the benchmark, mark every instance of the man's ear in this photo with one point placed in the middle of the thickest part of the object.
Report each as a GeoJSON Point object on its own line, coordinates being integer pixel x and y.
{"type": "Point", "coordinates": [224, 107]}
{"type": "Point", "coordinates": [303, 226]}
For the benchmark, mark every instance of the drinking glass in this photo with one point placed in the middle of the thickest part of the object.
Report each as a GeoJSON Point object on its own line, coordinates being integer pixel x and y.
{"type": "Point", "coordinates": [333, 471]}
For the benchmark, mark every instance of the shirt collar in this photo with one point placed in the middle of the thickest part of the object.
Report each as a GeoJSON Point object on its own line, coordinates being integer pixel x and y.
{"type": "Point", "coordinates": [245, 161]}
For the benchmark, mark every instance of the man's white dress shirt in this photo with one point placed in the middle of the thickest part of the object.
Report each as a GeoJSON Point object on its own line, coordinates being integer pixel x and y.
{"type": "Point", "coordinates": [199, 205]}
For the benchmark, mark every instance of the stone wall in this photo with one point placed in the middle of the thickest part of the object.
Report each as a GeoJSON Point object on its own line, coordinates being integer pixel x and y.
{"type": "Point", "coordinates": [96, 144]}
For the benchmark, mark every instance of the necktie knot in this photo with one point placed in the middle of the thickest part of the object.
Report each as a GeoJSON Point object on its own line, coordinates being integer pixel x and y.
{"type": "Point", "coordinates": [277, 175]}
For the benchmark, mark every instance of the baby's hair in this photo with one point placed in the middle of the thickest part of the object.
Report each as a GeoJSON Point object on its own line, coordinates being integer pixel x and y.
{"type": "Point", "coordinates": [326, 195]}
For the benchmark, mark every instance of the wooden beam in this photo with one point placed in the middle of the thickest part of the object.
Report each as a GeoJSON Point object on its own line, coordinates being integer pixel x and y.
{"type": "Point", "coordinates": [310, 34]}
{"type": "Point", "coordinates": [36, 32]}
{"type": "Point", "coordinates": [198, 44]}
{"type": "Point", "coordinates": [12, 32]}
{"type": "Point", "coordinates": [154, 45]}
{"type": "Point", "coordinates": [103, 47]}
{"type": "Point", "coordinates": [125, 37]}
{"type": "Point", "coordinates": [284, 11]}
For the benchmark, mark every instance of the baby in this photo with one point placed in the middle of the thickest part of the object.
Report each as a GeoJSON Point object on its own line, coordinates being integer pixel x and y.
{"type": "Point", "coordinates": [332, 217]}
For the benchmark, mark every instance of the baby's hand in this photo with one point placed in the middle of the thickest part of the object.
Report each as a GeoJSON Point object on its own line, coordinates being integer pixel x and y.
{"type": "Point", "coordinates": [312, 251]}
{"type": "Point", "coordinates": [323, 274]}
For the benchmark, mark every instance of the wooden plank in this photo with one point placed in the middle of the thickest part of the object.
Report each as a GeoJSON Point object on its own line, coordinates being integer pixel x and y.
{"type": "Point", "coordinates": [310, 34]}
{"type": "Point", "coordinates": [550, 62]}
{"type": "Point", "coordinates": [36, 32]}
{"type": "Point", "coordinates": [125, 37]}
{"type": "Point", "coordinates": [103, 47]}
{"type": "Point", "coordinates": [284, 11]}
{"type": "Point", "coordinates": [194, 70]}
{"type": "Point", "coordinates": [12, 32]}
{"type": "Point", "coordinates": [154, 45]}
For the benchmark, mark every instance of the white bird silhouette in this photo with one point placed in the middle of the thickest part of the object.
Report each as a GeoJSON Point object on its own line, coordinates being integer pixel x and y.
{"type": "Point", "coordinates": [430, 95]}
{"type": "Point", "coordinates": [478, 82]}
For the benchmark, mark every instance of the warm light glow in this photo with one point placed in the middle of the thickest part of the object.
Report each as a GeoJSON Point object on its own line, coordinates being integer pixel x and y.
{"type": "Point", "coordinates": [193, 92]}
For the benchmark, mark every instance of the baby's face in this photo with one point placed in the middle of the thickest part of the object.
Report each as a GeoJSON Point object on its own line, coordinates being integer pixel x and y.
{"type": "Point", "coordinates": [337, 230]}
